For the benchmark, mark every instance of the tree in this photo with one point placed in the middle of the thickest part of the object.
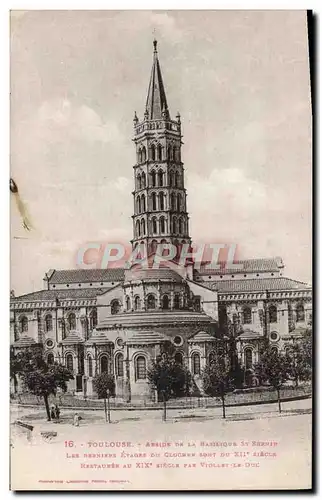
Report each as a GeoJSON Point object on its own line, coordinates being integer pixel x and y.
{"type": "Point", "coordinates": [217, 379]}
{"type": "Point", "coordinates": [299, 358]}
{"type": "Point", "coordinates": [273, 368]}
{"type": "Point", "coordinates": [169, 379]}
{"type": "Point", "coordinates": [15, 368]}
{"type": "Point", "coordinates": [104, 385]}
{"type": "Point", "coordinates": [42, 379]}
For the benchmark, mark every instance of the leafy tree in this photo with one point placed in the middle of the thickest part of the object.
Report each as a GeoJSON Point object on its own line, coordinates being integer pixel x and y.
{"type": "Point", "coordinates": [299, 358]}
{"type": "Point", "coordinates": [169, 379]}
{"type": "Point", "coordinates": [15, 368]}
{"type": "Point", "coordinates": [217, 379]}
{"type": "Point", "coordinates": [273, 368]}
{"type": "Point", "coordinates": [42, 379]}
{"type": "Point", "coordinates": [104, 385]}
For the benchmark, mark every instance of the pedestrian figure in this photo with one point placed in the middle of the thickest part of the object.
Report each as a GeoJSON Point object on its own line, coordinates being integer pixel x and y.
{"type": "Point", "coordinates": [57, 411]}
{"type": "Point", "coordinates": [76, 420]}
{"type": "Point", "coordinates": [52, 413]}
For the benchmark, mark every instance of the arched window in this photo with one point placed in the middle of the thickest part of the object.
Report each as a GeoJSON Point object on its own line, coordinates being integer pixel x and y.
{"type": "Point", "coordinates": [151, 301]}
{"type": "Point", "coordinates": [143, 154]}
{"type": "Point", "coordinates": [140, 368]}
{"type": "Point", "coordinates": [24, 324]}
{"type": "Point", "coordinates": [248, 358]}
{"type": "Point", "coordinates": [174, 225]}
{"type": "Point", "coordinates": [247, 315]}
{"type": "Point", "coordinates": [115, 307]}
{"type": "Point", "coordinates": [169, 152]}
{"type": "Point", "coordinates": [160, 178]}
{"type": "Point", "coordinates": [69, 362]}
{"type": "Point", "coordinates": [171, 179]}
{"type": "Point", "coordinates": [50, 359]}
{"type": "Point", "coordinates": [140, 155]}
{"type": "Point", "coordinates": [161, 201]}
{"type": "Point", "coordinates": [153, 246]}
{"type": "Point", "coordinates": [180, 226]}
{"type": "Point", "coordinates": [137, 226]}
{"type": "Point", "coordinates": [179, 202]}
{"type": "Point", "coordinates": [153, 178]}
{"type": "Point", "coordinates": [128, 303]}
{"type": "Point", "coordinates": [153, 152]}
{"type": "Point", "coordinates": [93, 319]}
{"type": "Point", "coordinates": [72, 321]}
{"type": "Point", "coordinates": [49, 323]}
{"type": "Point", "coordinates": [154, 225]}
{"type": "Point", "coordinates": [300, 316]}
{"type": "Point", "coordinates": [143, 203]}
{"type": "Point", "coordinates": [272, 314]}
{"type": "Point", "coordinates": [176, 181]}
{"type": "Point", "coordinates": [162, 225]}
{"type": "Point", "coordinates": [138, 180]}
{"type": "Point", "coordinates": [104, 363]}
{"type": "Point", "coordinates": [143, 180]}
{"type": "Point", "coordinates": [119, 371]}
{"type": "Point", "coordinates": [165, 302]}
{"type": "Point", "coordinates": [173, 201]}
{"type": "Point", "coordinates": [137, 303]}
{"type": "Point", "coordinates": [138, 205]}
{"type": "Point", "coordinates": [143, 227]}
{"type": "Point", "coordinates": [178, 358]}
{"type": "Point", "coordinates": [176, 301]}
{"type": "Point", "coordinates": [154, 201]}
{"type": "Point", "coordinates": [90, 365]}
{"type": "Point", "coordinates": [196, 364]}
{"type": "Point", "coordinates": [159, 152]}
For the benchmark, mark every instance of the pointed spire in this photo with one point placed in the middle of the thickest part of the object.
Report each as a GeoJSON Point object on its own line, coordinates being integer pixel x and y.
{"type": "Point", "coordinates": [156, 103]}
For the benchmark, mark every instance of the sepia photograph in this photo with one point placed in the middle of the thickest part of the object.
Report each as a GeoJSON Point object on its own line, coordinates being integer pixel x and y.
{"type": "Point", "coordinates": [161, 250]}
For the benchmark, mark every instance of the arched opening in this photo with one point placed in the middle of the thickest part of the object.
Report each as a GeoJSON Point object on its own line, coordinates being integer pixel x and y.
{"type": "Point", "coordinates": [138, 181]}
{"type": "Point", "coordinates": [272, 313]}
{"type": "Point", "coordinates": [154, 201]}
{"type": "Point", "coordinates": [179, 202]}
{"type": "Point", "coordinates": [140, 368]}
{"type": "Point", "coordinates": [115, 307]}
{"type": "Point", "coordinates": [143, 154]}
{"type": "Point", "coordinates": [72, 321]}
{"type": "Point", "coordinates": [137, 227]}
{"type": "Point", "coordinates": [160, 178]}
{"type": "Point", "coordinates": [154, 225]}
{"type": "Point", "coordinates": [140, 155]}
{"type": "Point", "coordinates": [177, 180]}
{"type": "Point", "coordinates": [143, 180]}
{"type": "Point", "coordinates": [69, 362]}
{"type": "Point", "coordinates": [300, 315]}
{"type": "Point", "coordinates": [151, 301]}
{"type": "Point", "coordinates": [162, 225]}
{"type": "Point", "coordinates": [90, 365]}
{"type": "Point", "coordinates": [165, 302]}
{"type": "Point", "coordinates": [180, 226]}
{"type": "Point", "coordinates": [50, 359]}
{"type": "Point", "coordinates": [159, 152]}
{"type": "Point", "coordinates": [173, 201]}
{"type": "Point", "coordinates": [178, 358]}
{"type": "Point", "coordinates": [153, 178]}
{"type": "Point", "coordinates": [171, 179]}
{"type": "Point", "coordinates": [196, 364]}
{"type": "Point", "coordinates": [138, 205]}
{"type": "Point", "coordinates": [174, 225]}
{"type": "Point", "coordinates": [119, 371]}
{"type": "Point", "coordinates": [49, 323]}
{"type": "Point", "coordinates": [104, 363]}
{"type": "Point", "coordinates": [143, 203]}
{"type": "Point", "coordinates": [93, 319]}
{"type": "Point", "coordinates": [248, 358]}
{"type": "Point", "coordinates": [152, 152]}
{"type": "Point", "coordinates": [161, 201]}
{"type": "Point", "coordinates": [176, 301]}
{"type": "Point", "coordinates": [128, 303]}
{"type": "Point", "coordinates": [137, 303]}
{"type": "Point", "coordinates": [142, 227]}
{"type": "Point", "coordinates": [247, 315]}
{"type": "Point", "coordinates": [24, 324]}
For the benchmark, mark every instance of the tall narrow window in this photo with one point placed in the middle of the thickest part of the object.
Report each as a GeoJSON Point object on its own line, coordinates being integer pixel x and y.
{"type": "Point", "coordinates": [50, 359]}
{"type": "Point", "coordinates": [300, 316]}
{"type": "Point", "coordinates": [143, 154]}
{"type": "Point", "coordinates": [119, 365]}
{"type": "Point", "coordinates": [128, 303]}
{"type": "Point", "coordinates": [153, 152]}
{"type": "Point", "coordinates": [138, 179]}
{"type": "Point", "coordinates": [248, 358]}
{"type": "Point", "coordinates": [171, 179]}
{"type": "Point", "coordinates": [159, 152]}
{"type": "Point", "coordinates": [143, 203]}
{"type": "Point", "coordinates": [154, 201]}
{"type": "Point", "coordinates": [154, 225]}
{"type": "Point", "coordinates": [72, 321]}
{"type": "Point", "coordinates": [151, 301]}
{"type": "Point", "coordinates": [165, 302]}
{"type": "Point", "coordinates": [173, 201]}
{"type": "Point", "coordinates": [162, 225]}
{"type": "Point", "coordinates": [153, 178]}
{"type": "Point", "coordinates": [137, 303]}
{"type": "Point", "coordinates": [69, 362]}
{"type": "Point", "coordinates": [161, 201]}
{"type": "Point", "coordinates": [143, 180]}
{"type": "Point", "coordinates": [140, 368]}
{"type": "Point", "coordinates": [177, 182]}
{"type": "Point", "coordinates": [104, 363]}
{"type": "Point", "coordinates": [178, 358]}
{"type": "Point", "coordinates": [176, 301]}
{"type": "Point", "coordinates": [138, 205]}
{"type": "Point", "coordinates": [160, 178]}
{"type": "Point", "coordinates": [24, 324]}
{"type": "Point", "coordinates": [180, 226]}
{"type": "Point", "coordinates": [272, 314]}
{"type": "Point", "coordinates": [140, 155]}
{"type": "Point", "coordinates": [143, 227]}
{"type": "Point", "coordinates": [179, 202]}
{"type": "Point", "coordinates": [247, 315]}
{"type": "Point", "coordinates": [196, 364]}
{"type": "Point", "coordinates": [93, 319]}
{"type": "Point", "coordinates": [90, 365]}
{"type": "Point", "coordinates": [174, 225]}
{"type": "Point", "coordinates": [49, 323]}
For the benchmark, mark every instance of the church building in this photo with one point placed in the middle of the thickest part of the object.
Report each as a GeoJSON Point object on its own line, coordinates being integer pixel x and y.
{"type": "Point", "coordinates": [120, 319]}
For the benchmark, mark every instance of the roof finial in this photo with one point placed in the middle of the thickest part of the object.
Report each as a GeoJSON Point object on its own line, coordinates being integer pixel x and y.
{"type": "Point", "coordinates": [155, 43]}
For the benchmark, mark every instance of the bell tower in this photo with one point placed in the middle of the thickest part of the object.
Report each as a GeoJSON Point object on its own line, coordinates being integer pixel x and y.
{"type": "Point", "coordinates": [160, 198]}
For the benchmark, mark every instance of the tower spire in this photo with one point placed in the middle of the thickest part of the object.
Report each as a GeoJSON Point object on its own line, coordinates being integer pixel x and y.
{"type": "Point", "coordinates": [156, 103]}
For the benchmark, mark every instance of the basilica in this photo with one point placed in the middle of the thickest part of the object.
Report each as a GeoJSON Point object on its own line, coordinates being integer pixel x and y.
{"type": "Point", "coordinates": [120, 319]}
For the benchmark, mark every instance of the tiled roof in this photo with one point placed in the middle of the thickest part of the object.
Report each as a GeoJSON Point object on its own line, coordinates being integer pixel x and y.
{"type": "Point", "coordinates": [249, 285]}
{"type": "Point", "coordinates": [24, 341]}
{"type": "Point", "coordinates": [86, 275]}
{"type": "Point", "coordinates": [247, 266]}
{"type": "Point", "coordinates": [201, 337]}
{"type": "Point", "coordinates": [152, 274]}
{"type": "Point", "coordinates": [72, 338]}
{"type": "Point", "coordinates": [151, 317]}
{"type": "Point", "coordinates": [147, 337]}
{"type": "Point", "coordinates": [82, 293]}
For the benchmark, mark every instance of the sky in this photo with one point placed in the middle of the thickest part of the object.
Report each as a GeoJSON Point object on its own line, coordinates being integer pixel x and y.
{"type": "Point", "coordinates": [240, 80]}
